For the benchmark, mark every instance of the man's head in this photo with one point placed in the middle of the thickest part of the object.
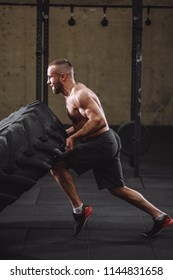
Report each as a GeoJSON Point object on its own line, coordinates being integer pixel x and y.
{"type": "Point", "coordinates": [59, 71]}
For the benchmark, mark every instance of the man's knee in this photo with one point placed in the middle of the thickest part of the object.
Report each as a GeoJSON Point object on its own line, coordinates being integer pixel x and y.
{"type": "Point", "coordinates": [117, 191]}
{"type": "Point", "coordinates": [58, 167]}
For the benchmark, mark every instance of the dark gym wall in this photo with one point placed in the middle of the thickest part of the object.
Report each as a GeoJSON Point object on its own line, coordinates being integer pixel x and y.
{"type": "Point", "coordinates": [101, 57]}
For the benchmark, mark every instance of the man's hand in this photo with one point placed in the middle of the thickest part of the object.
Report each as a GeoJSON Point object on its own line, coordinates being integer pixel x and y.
{"type": "Point", "coordinates": [69, 144]}
{"type": "Point", "coordinates": [70, 130]}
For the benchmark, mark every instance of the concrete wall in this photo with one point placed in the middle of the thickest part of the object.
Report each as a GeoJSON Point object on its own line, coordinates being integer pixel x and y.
{"type": "Point", "coordinates": [157, 96]}
{"type": "Point", "coordinates": [17, 59]}
{"type": "Point", "coordinates": [101, 57]}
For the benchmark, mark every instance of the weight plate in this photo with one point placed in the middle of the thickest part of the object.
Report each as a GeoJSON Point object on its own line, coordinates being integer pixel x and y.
{"type": "Point", "coordinates": [126, 133]}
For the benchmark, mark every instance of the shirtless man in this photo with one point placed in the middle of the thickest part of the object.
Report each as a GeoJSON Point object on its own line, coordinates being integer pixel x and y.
{"type": "Point", "coordinates": [92, 145]}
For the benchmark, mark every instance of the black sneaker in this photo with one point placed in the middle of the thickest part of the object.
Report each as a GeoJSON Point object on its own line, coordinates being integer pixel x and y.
{"type": "Point", "coordinates": [80, 219]}
{"type": "Point", "coordinates": [159, 225]}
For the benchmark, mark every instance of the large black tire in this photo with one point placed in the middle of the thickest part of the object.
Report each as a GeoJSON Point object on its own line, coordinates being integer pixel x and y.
{"type": "Point", "coordinates": [32, 139]}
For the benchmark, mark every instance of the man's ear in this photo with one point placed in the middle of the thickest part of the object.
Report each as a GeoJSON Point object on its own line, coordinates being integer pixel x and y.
{"type": "Point", "coordinates": [63, 76]}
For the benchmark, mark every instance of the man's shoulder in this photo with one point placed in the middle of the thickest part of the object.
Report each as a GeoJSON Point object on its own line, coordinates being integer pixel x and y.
{"type": "Point", "coordinates": [81, 87]}
{"type": "Point", "coordinates": [81, 90]}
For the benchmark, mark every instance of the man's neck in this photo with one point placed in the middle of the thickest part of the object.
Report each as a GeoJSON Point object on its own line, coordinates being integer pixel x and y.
{"type": "Point", "coordinates": [68, 88]}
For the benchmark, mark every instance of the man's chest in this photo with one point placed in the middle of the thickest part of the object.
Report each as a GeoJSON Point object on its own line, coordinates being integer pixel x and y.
{"type": "Point", "coordinates": [72, 111]}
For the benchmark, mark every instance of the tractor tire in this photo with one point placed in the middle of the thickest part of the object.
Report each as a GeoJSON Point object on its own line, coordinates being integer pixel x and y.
{"type": "Point", "coordinates": [32, 139]}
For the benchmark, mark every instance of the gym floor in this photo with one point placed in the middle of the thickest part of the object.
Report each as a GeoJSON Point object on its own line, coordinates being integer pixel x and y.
{"type": "Point", "coordinates": [39, 224]}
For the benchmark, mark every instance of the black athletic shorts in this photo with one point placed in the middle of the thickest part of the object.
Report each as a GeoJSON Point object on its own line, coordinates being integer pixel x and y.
{"type": "Point", "coordinates": [102, 154]}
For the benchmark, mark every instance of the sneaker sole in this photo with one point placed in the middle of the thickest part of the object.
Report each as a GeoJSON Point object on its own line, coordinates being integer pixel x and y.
{"type": "Point", "coordinates": [165, 226]}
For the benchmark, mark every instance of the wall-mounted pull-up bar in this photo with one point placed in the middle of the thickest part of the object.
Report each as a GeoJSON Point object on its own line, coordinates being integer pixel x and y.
{"type": "Point", "coordinates": [86, 5]}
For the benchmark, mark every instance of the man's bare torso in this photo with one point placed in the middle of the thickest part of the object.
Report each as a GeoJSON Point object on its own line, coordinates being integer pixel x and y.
{"type": "Point", "coordinates": [77, 114]}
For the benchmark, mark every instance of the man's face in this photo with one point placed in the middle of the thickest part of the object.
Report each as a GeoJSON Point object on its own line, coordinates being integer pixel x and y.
{"type": "Point", "coordinates": [53, 79]}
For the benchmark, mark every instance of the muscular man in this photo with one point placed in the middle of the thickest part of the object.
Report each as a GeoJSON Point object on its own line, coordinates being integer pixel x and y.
{"type": "Point", "coordinates": [92, 145]}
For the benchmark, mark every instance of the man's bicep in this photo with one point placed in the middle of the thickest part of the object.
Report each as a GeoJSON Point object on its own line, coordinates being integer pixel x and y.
{"type": "Point", "coordinates": [93, 109]}
{"type": "Point", "coordinates": [87, 104]}
{"type": "Point", "coordinates": [82, 100]}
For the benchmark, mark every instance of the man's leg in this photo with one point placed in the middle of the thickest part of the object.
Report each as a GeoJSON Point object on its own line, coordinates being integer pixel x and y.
{"type": "Point", "coordinates": [65, 180]}
{"type": "Point", "coordinates": [161, 219]}
{"type": "Point", "coordinates": [135, 198]}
